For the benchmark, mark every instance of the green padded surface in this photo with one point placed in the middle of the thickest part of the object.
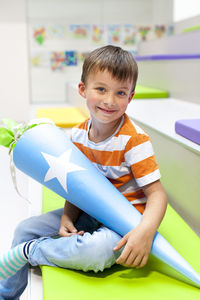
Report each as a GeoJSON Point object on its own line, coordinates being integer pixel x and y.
{"type": "Point", "coordinates": [194, 28]}
{"type": "Point", "coordinates": [156, 281]}
{"type": "Point", "coordinates": [143, 92]}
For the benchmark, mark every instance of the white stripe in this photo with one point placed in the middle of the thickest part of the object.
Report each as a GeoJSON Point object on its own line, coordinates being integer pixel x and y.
{"type": "Point", "coordinates": [79, 136]}
{"type": "Point", "coordinates": [13, 259]}
{"type": "Point", "coordinates": [139, 201]}
{"type": "Point", "coordinates": [139, 153]}
{"type": "Point", "coordinates": [129, 187]}
{"type": "Point", "coordinates": [116, 143]}
{"type": "Point", "coordinates": [138, 129]}
{"type": "Point", "coordinates": [113, 172]}
{"type": "Point", "coordinates": [5, 266]}
{"type": "Point", "coordinates": [21, 253]}
{"type": "Point", "coordinates": [10, 264]}
{"type": "Point", "coordinates": [111, 144]}
{"type": "Point", "coordinates": [3, 272]}
{"type": "Point", "coordinates": [142, 181]}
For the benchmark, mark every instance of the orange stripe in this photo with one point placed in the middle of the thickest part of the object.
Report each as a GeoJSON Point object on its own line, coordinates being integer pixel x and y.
{"type": "Point", "coordinates": [120, 181]}
{"type": "Point", "coordinates": [144, 167]}
{"type": "Point", "coordinates": [138, 140]}
{"type": "Point", "coordinates": [140, 207]}
{"type": "Point", "coordinates": [104, 158]}
{"type": "Point", "coordinates": [82, 125]}
{"type": "Point", "coordinates": [127, 127]}
{"type": "Point", "coordinates": [134, 195]}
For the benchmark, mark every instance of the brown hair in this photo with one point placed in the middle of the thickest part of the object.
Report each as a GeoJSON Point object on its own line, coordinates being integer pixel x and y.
{"type": "Point", "coordinates": [120, 63]}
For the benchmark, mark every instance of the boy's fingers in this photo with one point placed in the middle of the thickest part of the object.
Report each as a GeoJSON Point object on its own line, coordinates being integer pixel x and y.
{"type": "Point", "coordinates": [64, 231]}
{"type": "Point", "coordinates": [123, 257]}
{"type": "Point", "coordinates": [81, 232]}
{"type": "Point", "coordinates": [70, 228]}
{"type": "Point", "coordinates": [143, 262]}
{"type": "Point", "coordinates": [120, 244]}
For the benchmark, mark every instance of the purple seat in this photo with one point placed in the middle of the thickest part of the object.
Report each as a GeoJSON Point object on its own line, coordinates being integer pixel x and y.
{"type": "Point", "coordinates": [189, 128]}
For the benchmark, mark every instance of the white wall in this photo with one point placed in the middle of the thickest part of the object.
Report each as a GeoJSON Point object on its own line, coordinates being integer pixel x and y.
{"type": "Point", "coordinates": [186, 43]}
{"type": "Point", "coordinates": [48, 86]}
{"type": "Point", "coordinates": [187, 23]}
{"type": "Point", "coordinates": [179, 77]}
{"type": "Point", "coordinates": [184, 9]}
{"type": "Point", "coordinates": [104, 11]}
{"type": "Point", "coordinates": [14, 76]}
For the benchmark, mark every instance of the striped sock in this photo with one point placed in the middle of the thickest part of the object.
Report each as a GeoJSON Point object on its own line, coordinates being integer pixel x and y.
{"type": "Point", "coordinates": [14, 259]}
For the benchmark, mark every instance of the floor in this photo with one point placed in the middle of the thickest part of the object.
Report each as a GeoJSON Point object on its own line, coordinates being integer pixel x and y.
{"type": "Point", "coordinates": [13, 209]}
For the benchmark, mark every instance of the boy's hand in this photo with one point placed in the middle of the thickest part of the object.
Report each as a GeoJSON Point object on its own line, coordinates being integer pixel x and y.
{"type": "Point", "coordinates": [67, 227]}
{"type": "Point", "coordinates": [138, 244]}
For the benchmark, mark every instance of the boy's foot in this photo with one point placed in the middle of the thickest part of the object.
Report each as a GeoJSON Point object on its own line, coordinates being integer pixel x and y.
{"type": "Point", "coordinates": [14, 259]}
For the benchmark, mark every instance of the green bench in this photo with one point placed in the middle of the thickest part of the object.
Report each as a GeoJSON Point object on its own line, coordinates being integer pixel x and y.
{"type": "Point", "coordinates": [155, 281]}
{"type": "Point", "coordinates": [143, 92]}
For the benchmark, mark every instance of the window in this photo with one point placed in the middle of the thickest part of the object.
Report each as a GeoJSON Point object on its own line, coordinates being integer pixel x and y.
{"type": "Point", "coordinates": [184, 9]}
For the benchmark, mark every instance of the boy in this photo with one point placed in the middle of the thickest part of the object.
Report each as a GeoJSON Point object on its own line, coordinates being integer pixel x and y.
{"type": "Point", "coordinates": [124, 154]}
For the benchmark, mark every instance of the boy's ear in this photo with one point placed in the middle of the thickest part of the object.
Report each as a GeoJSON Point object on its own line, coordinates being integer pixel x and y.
{"type": "Point", "coordinates": [81, 89]}
{"type": "Point", "coordinates": [131, 96]}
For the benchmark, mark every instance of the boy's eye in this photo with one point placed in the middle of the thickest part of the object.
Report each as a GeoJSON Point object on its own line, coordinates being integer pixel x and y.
{"type": "Point", "coordinates": [100, 89]}
{"type": "Point", "coordinates": [121, 93]}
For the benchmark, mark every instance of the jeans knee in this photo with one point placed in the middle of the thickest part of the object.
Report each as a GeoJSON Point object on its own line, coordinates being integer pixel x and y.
{"type": "Point", "coordinates": [96, 250]}
{"type": "Point", "coordinates": [23, 232]}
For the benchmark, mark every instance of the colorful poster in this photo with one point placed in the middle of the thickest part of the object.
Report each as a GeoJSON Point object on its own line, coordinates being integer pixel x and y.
{"type": "Point", "coordinates": [114, 34]}
{"type": "Point", "coordinates": [79, 31]}
{"type": "Point", "coordinates": [170, 30]}
{"type": "Point", "coordinates": [71, 58]}
{"type": "Point", "coordinates": [98, 32]}
{"type": "Point", "coordinates": [57, 60]}
{"type": "Point", "coordinates": [159, 30]}
{"type": "Point", "coordinates": [39, 34]}
{"type": "Point", "coordinates": [143, 32]}
{"type": "Point", "coordinates": [40, 60]}
{"type": "Point", "coordinates": [56, 31]}
{"type": "Point", "coordinates": [129, 34]}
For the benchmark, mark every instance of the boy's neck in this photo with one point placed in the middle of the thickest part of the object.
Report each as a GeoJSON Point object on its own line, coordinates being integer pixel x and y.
{"type": "Point", "coordinates": [99, 133]}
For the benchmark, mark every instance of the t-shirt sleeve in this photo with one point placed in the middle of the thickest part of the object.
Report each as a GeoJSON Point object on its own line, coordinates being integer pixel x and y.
{"type": "Point", "coordinates": [141, 158]}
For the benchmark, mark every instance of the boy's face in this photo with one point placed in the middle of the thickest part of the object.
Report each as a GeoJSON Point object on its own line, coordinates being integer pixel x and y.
{"type": "Point", "coordinates": [107, 98]}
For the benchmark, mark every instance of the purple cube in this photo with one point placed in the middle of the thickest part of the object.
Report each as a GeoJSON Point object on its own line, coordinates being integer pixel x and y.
{"type": "Point", "coordinates": [189, 128]}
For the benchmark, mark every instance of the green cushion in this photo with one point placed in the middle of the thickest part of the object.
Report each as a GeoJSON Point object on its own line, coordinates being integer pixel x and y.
{"type": "Point", "coordinates": [194, 28]}
{"type": "Point", "coordinates": [155, 281]}
{"type": "Point", "coordinates": [143, 92]}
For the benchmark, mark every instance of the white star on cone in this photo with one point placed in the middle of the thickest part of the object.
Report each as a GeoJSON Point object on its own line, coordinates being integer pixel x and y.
{"type": "Point", "coordinates": [59, 167]}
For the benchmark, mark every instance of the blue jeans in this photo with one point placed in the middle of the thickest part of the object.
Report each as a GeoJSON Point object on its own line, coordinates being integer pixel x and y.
{"type": "Point", "coordinates": [92, 251]}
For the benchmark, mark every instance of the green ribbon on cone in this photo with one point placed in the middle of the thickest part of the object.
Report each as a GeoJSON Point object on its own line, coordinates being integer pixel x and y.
{"type": "Point", "coordinates": [7, 133]}
{"type": "Point", "coordinates": [6, 137]}
{"type": "Point", "coordinates": [11, 131]}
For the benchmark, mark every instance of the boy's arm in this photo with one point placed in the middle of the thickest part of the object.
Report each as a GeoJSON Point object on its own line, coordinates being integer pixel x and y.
{"type": "Point", "coordinates": [69, 217]}
{"type": "Point", "coordinates": [138, 241]}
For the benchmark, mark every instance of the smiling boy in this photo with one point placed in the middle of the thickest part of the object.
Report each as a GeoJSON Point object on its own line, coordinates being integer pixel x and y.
{"type": "Point", "coordinates": [119, 148]}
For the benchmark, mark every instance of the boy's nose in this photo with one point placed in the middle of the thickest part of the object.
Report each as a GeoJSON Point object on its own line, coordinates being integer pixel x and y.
{"type": "Point", "coordinates": [109, 100]}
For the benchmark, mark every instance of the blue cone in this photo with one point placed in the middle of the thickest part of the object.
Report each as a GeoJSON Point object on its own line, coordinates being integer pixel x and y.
{"type": "Point", "coordinates": [47, 155]}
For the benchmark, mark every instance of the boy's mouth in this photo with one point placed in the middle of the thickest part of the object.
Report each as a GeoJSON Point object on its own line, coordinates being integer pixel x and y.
{"type": "Point", "coordinates": [107, 111]}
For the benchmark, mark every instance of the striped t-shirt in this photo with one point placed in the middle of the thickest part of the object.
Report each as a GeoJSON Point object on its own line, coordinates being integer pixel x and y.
{"type": "Point", "coordinates": [126, 158]}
